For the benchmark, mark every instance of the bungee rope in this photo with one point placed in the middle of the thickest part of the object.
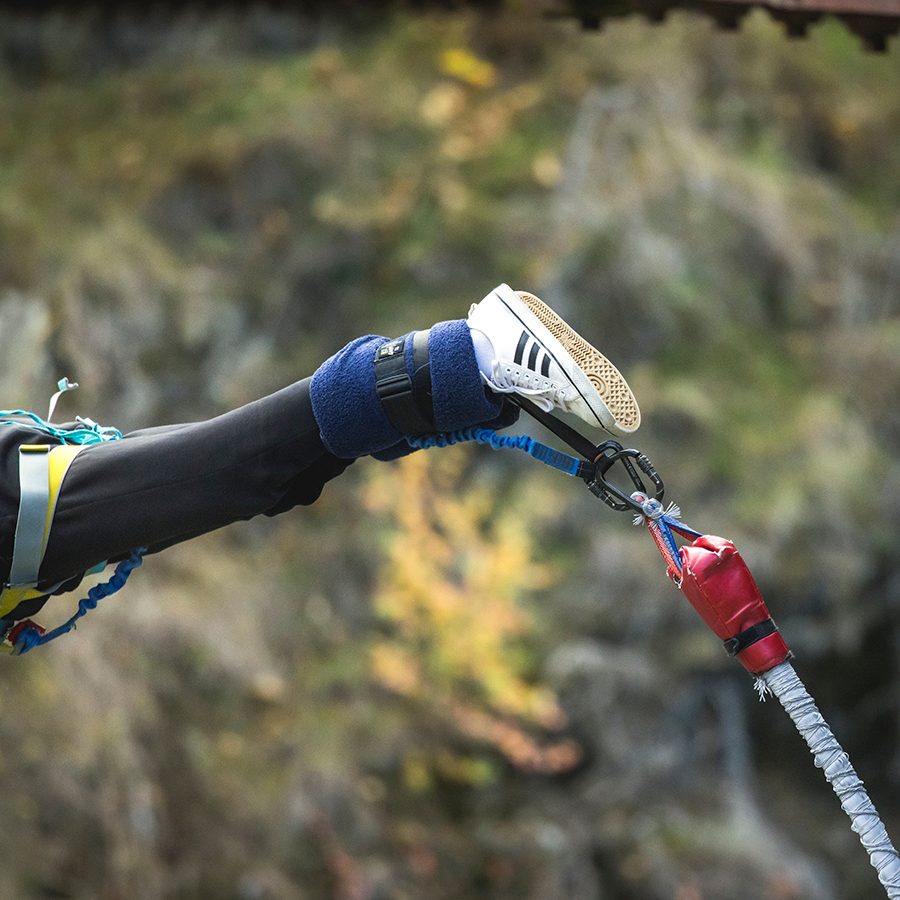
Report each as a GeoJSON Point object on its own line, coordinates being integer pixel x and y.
{"type": "Point", "coordinates": [830, 757]}
{"type": "Point", "coordinates": [726, 587]}
{"type": "Point", "coordinates": [716, 581]}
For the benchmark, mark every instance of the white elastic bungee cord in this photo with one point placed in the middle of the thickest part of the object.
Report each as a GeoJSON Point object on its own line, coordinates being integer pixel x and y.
{"type": "Point", "coordinates": [830, 757]}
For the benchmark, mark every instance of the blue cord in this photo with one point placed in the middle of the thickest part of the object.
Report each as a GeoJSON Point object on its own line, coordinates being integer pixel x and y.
{"type": "Point", "coordinates": [665, 529]}
{"type": "Point", "coordinates": [548, 455]}
{"type": "Point", "coordinates": [31, 637]}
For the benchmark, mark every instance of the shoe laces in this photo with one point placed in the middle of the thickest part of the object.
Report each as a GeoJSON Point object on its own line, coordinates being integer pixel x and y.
{"type": "Point", "coordinates": [543, 392]}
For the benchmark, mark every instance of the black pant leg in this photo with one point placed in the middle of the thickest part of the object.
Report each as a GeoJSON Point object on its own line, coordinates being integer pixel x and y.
{"type": "Point", "coordinates": [159, 486]}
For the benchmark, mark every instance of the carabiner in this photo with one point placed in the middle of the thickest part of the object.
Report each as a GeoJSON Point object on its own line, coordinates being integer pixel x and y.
{"type": "Point", "coordinates": [599, 459]}
{"type": "Point", "coordinates": [607, 455]}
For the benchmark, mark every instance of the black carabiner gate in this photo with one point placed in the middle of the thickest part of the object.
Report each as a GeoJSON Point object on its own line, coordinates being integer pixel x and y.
{"type": "Point", "coordinates": [634, 462]}
{"type": "Point", "coordinates": [600, 459]}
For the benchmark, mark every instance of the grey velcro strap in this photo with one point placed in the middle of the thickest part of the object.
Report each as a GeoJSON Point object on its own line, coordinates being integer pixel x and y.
{"type": "Point", "coordinates": [34, 498]}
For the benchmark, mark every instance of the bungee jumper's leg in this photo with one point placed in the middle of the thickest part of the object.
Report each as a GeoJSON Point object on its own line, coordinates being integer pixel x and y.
{"type": "Point", "coordinates": [375, 392]}
{"type": "Point", "coordinates": [160, 486]}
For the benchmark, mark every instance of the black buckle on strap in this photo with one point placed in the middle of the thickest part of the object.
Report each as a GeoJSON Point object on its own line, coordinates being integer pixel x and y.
{"type": "Point", "coordinates": [749, 636]}
{"type": "Point", "coordinates": [405, 400]}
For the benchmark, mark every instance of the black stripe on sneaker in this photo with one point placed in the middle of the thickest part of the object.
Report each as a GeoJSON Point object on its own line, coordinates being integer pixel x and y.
{"type": "Point", "coordinates": [545, 365]}
{"type": "Point", "coordinates": [532, 357]}
{"type": "Point", "coordinates": [520, 347]}
{"type": "Point", "coordinates": [567, 377]}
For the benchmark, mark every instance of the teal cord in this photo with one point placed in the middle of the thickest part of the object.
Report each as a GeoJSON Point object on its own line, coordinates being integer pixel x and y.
{"type": "Point", "coordinates": [89, 433]}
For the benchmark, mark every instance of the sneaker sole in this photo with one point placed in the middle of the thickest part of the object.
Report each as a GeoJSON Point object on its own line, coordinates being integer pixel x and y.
{"type": "Point", "coordinates": [603, 376]}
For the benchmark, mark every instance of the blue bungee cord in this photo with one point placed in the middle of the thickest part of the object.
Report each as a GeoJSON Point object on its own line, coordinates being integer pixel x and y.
{"type": "Point", "coordinates": [663, 521]}
{"type": "Point", "coordinates": [548, 455]}
{"type": "Point", "coordinates": [31, 636]}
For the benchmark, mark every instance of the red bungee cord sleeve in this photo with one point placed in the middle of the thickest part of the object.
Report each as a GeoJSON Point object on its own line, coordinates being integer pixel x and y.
{"type": "Point", "coordinates": [718, 584]}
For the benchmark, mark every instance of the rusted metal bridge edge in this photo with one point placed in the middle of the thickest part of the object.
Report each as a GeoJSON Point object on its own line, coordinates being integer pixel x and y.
{"type": "Point", "coordinates": [873, 21]}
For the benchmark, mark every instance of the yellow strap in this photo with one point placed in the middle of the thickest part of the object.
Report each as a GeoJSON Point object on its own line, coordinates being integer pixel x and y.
{"type": "Point", "coordinates": [59, 459]}
{"type": "Point", "coordinates": [11, 597]}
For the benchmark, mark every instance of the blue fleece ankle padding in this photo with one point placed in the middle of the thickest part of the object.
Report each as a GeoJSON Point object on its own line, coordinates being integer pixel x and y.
{"type": "Point", "coordinates": [347, 410]}
{"type": "Point", "coordinates": [349, 414]}
{"type": "Point", "coordinates": [458, 391]}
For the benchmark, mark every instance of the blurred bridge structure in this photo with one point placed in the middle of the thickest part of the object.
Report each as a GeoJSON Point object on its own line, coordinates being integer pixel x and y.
{"type": "Point", "coordinates": [874, 21]}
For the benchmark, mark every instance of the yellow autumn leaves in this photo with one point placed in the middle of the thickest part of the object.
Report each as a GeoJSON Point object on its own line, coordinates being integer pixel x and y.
{"type": "Point", "coordinates": [451, 594]}
{"type": "Point", "coordinates": [467, 67]}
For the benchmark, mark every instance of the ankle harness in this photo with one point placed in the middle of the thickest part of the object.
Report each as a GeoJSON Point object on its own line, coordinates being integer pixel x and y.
{"type": "Point", "coordinates": [406, 400]}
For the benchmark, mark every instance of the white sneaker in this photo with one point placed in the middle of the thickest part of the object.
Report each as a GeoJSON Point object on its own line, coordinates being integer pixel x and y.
{"type": "Point", "coordinates": [536, 354]}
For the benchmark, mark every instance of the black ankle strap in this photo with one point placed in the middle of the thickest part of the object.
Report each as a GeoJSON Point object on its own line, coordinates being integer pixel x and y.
{"type": "Point", "coordinates": [406, 400]}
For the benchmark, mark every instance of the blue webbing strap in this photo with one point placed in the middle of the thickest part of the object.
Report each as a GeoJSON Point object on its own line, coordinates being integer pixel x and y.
{"type": "Point", "coordinates": [571, 465]}
{"type": "Point", "coordinates": [31, 637]}
{"type": "Point", "coordinates": [664, 524]}
{"type": "Point", "coordinates": [669, 525]}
